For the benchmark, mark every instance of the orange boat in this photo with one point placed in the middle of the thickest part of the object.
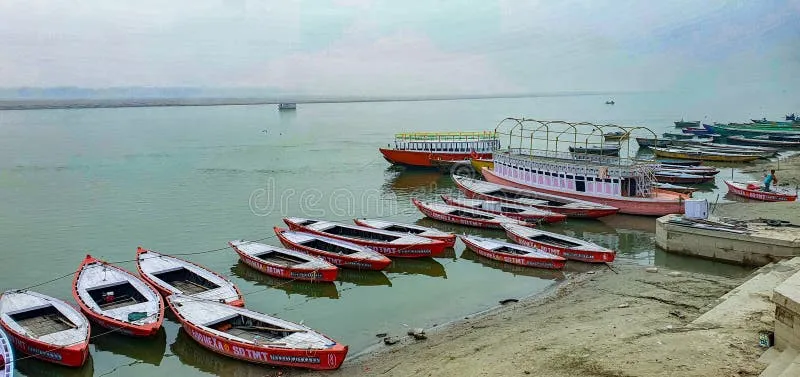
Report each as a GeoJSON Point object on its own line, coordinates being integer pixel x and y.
{"type": "Point", "coordinates": [429, 149]}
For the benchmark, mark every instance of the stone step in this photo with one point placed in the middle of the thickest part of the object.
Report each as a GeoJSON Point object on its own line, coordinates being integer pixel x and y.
{"type": "Point", "coordinates": [779, 365]}
{"type": "Point", "coordinates": [793, 369]}
{"type": "Point", "coordinates": [769, 356]}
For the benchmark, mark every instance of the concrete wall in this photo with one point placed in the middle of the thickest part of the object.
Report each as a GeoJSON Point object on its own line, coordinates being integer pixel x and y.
{"type": "Point", "coordinates": [786, 297]}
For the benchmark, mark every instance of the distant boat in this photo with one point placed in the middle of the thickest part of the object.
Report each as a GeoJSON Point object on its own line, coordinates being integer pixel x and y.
{"type": "Point", "coordinates": [792, 117]}
{"type": "Point", "coordinates": [287, 106]}
{"type": "Point", "coordinates": [670, 135]}
{"type": "Point", "coordinates": [610, 102]}
{"type": "Point", "coordinates": [604, 150]}
{"type": "Point", "coordinates": [647, 142]}
{"type": "Point", "coordinates": [684, 124]}
{"type": "Point", "coordinates": [619, 135]}
{"type": "Point", "coordinates": [764, 141]}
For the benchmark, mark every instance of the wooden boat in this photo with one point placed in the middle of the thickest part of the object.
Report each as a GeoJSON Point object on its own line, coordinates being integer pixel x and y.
{"type": "Point", "coordinates": [170, 275]}
{"type": "Point", "coordinates": [337, 252]}
{"type": "Point", "coordinates": [558, 244]}
{"type": "Point", "coordinates": [449, 239]}
{"type": "Point", "coordinates": [647, 142]}
{"type": "Point", "coordinates": [699, 170]}
{"type": "Point", "coordinates": [45, 327]}
{"type": "Point", "coordinates": [511, 253]}
{"type": "Point", "coordinates": [6, 355]}
{"type": "Point", "coordinates": [606, 150]}
{"type": "Point", "coordinates": [762, 141]}
{"type": "Point", "coordinates": [618, 135]}
{"type": "Point", "coordinates": [610, 102]}
{"type": "Point", "coordinates": [512, 210]}
{"type": "Point", "coordinates": [420, 148]}
{"type": "Point", "coordinates": [680, 162]}
{"type": "Point", "coordinates": [681, 136]}
{"type": "Point", "coordinates": [751, 131]}
{"type": "Point", "coordinates": [287, 106]}
{"type": "Point", "coordinates": [464, 216]}
{"type": "Point", "coordinates": [255, 337]}
{"type": "Point", "coordinates": [699, 131]}
{"type": "Point", "coordinates": [570, 207]}
{"type": "Point", "coordinates": [683, 124]}
{"type": "Point", "coordinates": [694, 154]}
{"type": "Point", "coordinates": [388, 243]}
{"type": "Point", "coordinates": [753, 191]}
{"type": "Point", "coordinates": [479, 164]}
{"type": "Point", "coordinates": [117, 300]}
{"type": "Point", "coordinates": [676, 188]}
{"type": "Point", "coordinates": [678, 177]}
{"type": "Point", "coordinates": [284, 263]}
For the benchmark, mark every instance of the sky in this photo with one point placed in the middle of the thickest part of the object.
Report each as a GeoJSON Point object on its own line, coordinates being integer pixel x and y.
{"type": "Point", "coordinates": [422, 47]}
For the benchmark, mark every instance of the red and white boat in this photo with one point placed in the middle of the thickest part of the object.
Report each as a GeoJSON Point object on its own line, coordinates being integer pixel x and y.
{"type": "Point", "coordinates": [423, 231]}
{"type": "Point", "coordinates": [570, 207]}
{"type": "Point", "coordinates": [558, 244]}
{"type": "Point", "coordinates": [116, 299]}
{"type": "Point", "coordinates": [337, 252]}
{"type": "Point", "coordinates": [388, 243]}
{"type": "Point", "coordinates": [512, 210]}
{"type": "Point", "coordinates": [6, 355]}
{"type": "Point", "coordinates": [512, 253]}
{"type": "Point", "coordinates": [464, 216]}
{"type": "Point", "coordinates": [752, 190]}
{"type": "Point", "coordinates": [45, 327]}
{"type": "Point", "coordinates": [427, 149]}
{"type": "Point", "coordinates": [170, 275]}
{"type": "Point", "coordinates": [255, 337]}
{"type": "Point", "coordinates": [284, 263]}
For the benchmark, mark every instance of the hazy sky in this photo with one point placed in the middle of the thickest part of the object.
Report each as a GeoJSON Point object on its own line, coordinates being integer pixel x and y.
{"type": "Point", "coordinates": [400, 46]}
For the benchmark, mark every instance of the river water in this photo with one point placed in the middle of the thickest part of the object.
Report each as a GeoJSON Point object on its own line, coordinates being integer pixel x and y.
{"type": "Point", "coordinates": [189, 179]}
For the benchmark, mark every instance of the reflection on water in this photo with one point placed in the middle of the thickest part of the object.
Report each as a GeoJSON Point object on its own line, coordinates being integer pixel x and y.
{"type": "Point", "coordinates": [191, 353]}
{"type": "Point", "coordinates": [513, 269]}
{"type": "Point", "coordinates": [37, 368]}
{"type": "Point", "coordinates": [460, 229]}
{"type": "Point", "coordinates": [364, 278]}
{"type": "Point", "coordinates": [404, 182]}
{"type": "Point", "coordinates": [149, 350]}
{"type": "Point", "coordinates": [691, 264]}
{"type": "Point", "coordinates": [304, 288]}
{"type": "Point", "coordinates": [417, 266]}
{"type": "Point", "coordinates": [449, 253]}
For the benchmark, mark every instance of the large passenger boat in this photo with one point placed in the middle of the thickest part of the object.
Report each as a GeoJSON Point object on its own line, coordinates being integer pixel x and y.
{"type": "Point", "coordinates": [624, 183]}
{"type": "Point", "coordinates": [429, 149]}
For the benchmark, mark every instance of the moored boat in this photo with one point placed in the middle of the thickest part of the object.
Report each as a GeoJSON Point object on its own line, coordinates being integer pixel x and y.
{"type": "Point", "coordinates": [698, 154]}
{"type": "Point", "coordinates": [617, 135]}
{"type": "Point", "coordinates": [698, 170]}
{"type": "Point", "coordinates": [255, 337]}
{"type": "Point", "coordinates": [479, 164]}
{"type": "Point", "coordinates": [512, 210]}
{"type": "Point", "coordinates": [647, 142]}
{"type": "Point", "coordinates": [388, 243]}
{"type": "Point", "coordinates": [754, 191]}
{"type": "Point", "coordinates": [682, 124]}
{"type": "Point", "coordinates": [423, 231]}
{"type": "Point", "coordinates": [676, 188]}
{"type": "Point", "coordinates": [570, 207]}
{"type": "Point", "coordinates": [284, 263]}
{"type": "Point", "coordinates": [421, 148]}
{"type": "Point", "coordinates": [699, 131]}
{"type": "Point", "coordinates": [513, 253]}
{"type": "Point", "coordinates": [337, 252]}
{"type": "Point", "coordinates": [44, 327]}
{"type": "Point", "coordinates": [559, 244]}
{"type": "Point", "coordinates": [605, 150]}
{"type": "Point", "coordinates": [680, 136]}
{"type": "Point", "coordinates": [752, 130]}
{"type": "Point", "coordinates": [763, 141]}
{"type": "Point", "coordinates": [287, 106]}
{"type": "Point", "coordinates": [678, 177]}
{"type": "Point", "coordinates": [679, 162]}
{"type": "Point", "coordinates": [6, 355]}
{"type": "Point", "coordinates": [170, 275]}
{"type": "Point", "coordinates": [464, 216]}
{"type": "Point", "coordinates": [116, 299]}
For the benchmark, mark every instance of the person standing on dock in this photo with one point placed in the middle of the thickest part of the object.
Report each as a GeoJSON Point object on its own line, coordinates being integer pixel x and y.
{"type": "Point", "coordinates": [770, 179]}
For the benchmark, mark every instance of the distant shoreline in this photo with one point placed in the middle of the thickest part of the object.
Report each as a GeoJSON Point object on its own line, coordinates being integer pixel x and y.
{"type": "Point", "coordinates": [49, 104]}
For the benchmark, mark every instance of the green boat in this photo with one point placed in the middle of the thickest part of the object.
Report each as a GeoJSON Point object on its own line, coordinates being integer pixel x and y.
{"type": "Point", "coordinates": [727, 130]}
{"type": "Point", "coordinates": [685, 124]}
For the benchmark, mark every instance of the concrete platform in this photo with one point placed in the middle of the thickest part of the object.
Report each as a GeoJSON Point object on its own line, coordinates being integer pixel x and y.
{"type": "Point", "coordinates": [759, 245]}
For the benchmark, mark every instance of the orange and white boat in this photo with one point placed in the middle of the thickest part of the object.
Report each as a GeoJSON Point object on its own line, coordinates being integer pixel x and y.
{"type": "Point", "coordinates": [753, 191]}
{"type": "Point", "coordinates": [428, 149]}
{"type": "Point", "coordinates": [513, 253]}
{"type": "Point", "coordinates": [559, 244]}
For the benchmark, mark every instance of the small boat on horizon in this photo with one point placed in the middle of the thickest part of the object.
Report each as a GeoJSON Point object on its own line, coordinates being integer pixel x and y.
{"type": "Point", "coordinates": [6, 355]}
{"type": "Point", "coordinates": [287, 106]}
{"type": "Point", "coordinates": [513, 253]}
{"type": "Point", "coordinates": [752, 190]}
{"type": "Point", "coordinates": [515, 211]}
{"type": "Point", "coordinates": [464, 216]}
{"type": "Point", "coordinates": [388, 243]}
{"type": "Point", "coordinates": [423, 231]}
{"type": "Point", "coordinates": [284, 263]}
{"type": "Point", "coordinates": [116, 299]}
{"type": "Point", "coordinates": [255, 337]}
{"type": "Point", "coordinates": [337, 252]}
{"type": "Point", "coordinates": [170, 275]}
{"type": "Point", "coordinates": [682, 124]}
{"type": "Point", "coordinates": [558, 244]}
{"type": "Point", "coordinates": [45, 327]}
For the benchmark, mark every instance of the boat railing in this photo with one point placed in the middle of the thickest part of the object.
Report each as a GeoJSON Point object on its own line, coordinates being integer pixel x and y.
{"type": "Point", "coordinates": [597, 166]}
{"type": "Point", "coordinates": [447, 136]}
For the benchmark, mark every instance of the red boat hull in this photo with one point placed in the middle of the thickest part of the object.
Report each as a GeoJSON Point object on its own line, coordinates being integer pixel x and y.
{"type": "Point", "coordinates": [423, 158]}
{"type": "Point", "coordinates": [571, 254]}
{"type": "Point", "coordinates": [460, 220]}
{"type": "Point", "coordinates": [449, 240]}
{"type": "Point", "coordinates": [292, 273]}
{"type": "Point", "coordinates": [73, 356]}
{"type": "Point", "coordinates": [586, 213]}
{"type": "Point", "coordinates": [527, 261]}
{"type": "Point", "coordinates": [631, 206]}
{"type": "Point", "coordinates": [121, 327]}
{"type": "Point", "coordinates": [435, 248]}
{"type": "Point", "coordinates": [548, 218]}
{"type": "Point", "coordinates": [335, 259]}
{"type": "Point", "coordinates": [760, 195]}
{"type": "Point", "coordinates": [326, 359]}
{"type": "Point", "coordinates": [166, 292]}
